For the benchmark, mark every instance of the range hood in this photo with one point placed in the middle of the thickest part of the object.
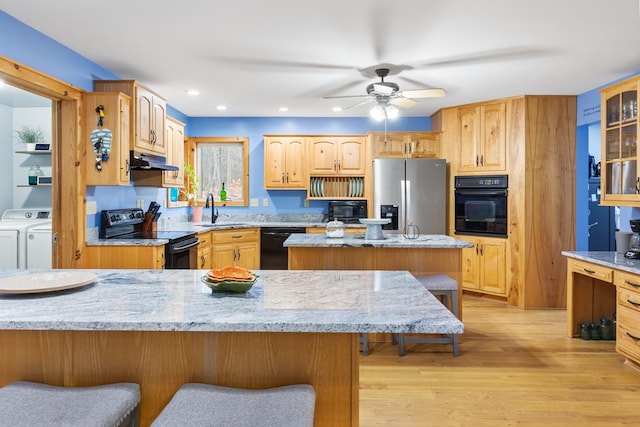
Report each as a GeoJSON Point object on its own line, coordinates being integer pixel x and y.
{"type": "Point", "coordinates": [146, 161]}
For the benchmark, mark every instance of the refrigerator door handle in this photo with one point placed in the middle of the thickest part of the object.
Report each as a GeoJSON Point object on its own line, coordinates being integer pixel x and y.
{"type": "Point", "coordinates": [403, 205]}
{"type": "Point", "coordinates": [407, 204]}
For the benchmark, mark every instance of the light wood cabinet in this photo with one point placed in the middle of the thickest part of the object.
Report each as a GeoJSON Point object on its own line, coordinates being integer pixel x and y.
{"type": "Point", "coordinates": [405, 144]}
{"type": "Point", "coordinates": [134, 257]}
{"type": "Point", "coordinates": [484, 266]}
{"type": "Point", "coordinates": [482, 138]}
{"type": "Point", "coordinates": [628, 315]}
{"type": "Point", "coordinates": [175, 153]}
{"type": "Point", "coordinates": [240, 247]}
{"type": "Point", "coordinates": [347, 230]}
{"type": "Point", "coordinates": [284, 162]}
{"type": "Point", "coordinates": [619, 166]}
{"type": "Point", "coordinates": [148, 115]}
{"type": "Point", "coordinates": [341, 155]}
{"type": "Point", "coordinates": [114, 171]}
{"type": "Point", "coordinates": [204, 251]}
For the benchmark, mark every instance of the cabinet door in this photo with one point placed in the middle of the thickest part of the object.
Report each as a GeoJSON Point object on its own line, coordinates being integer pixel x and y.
{"type": "Point", "coordinates": [274, 162]}
{"type": "Point", "coordinates": [425, 144]}
{"type": "Point", "coordinates": [144, 118]}
{"type": "Point", "coordinates": [493, 267]}
{"type": "Point", "coordinates": [468, 134]}
{"type": "Point", "coordinates": [175, 153]}
{"type": "Point", "coordinates": [323, 156]}
{"type": "Point", "coordinates": [223, 255]}
{"type": "Point", "coordinates": [493, 140]}
{"type": "Point", "coordinates": [295, 176]}
{"type": "Point", "coordinates": [248, 255]}
{"type": "Point", "coordinates": [471, 266]}
{"type": "Point", "coordinates": [389, 145]}
{"type": "Point", "coordinates": [124, 135]}
{"type": "Point", "coordinates": [158, 126]}
{"type": "Point", "coordinates": [351, 155]}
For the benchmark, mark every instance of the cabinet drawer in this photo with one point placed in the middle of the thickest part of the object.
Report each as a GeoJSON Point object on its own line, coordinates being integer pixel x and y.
{"type": "Point", "coordinates": [204, 238]}
{"type": "Point", "coordinates": [235, 236]}
{"type": "Point", "coordinates": [627, 281]}
{"type": "Point", "coordinates": [596, 271]}
{"type": "Point", "coordinates": [628, 333]}
{"type": "Point", "coordinates": [630, 300]}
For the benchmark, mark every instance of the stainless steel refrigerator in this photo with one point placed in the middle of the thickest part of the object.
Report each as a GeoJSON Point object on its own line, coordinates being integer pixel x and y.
{"type": "Point", "coordinates": [410, 191]}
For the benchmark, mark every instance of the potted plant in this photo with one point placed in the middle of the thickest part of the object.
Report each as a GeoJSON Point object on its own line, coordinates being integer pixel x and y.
{"type": "Point", "coordinates": [192, 192]}
{"type": "Point", "coordinates": [30, 136]}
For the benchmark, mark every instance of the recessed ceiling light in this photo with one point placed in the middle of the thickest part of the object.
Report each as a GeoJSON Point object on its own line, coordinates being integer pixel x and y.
{"type": "Point", "coordinates": [337, 109]}
{"type": "Point", "coordinates": [283, 109]}
{"type": "Point", "coordinates": [221, 107]}
{"type": "Point", "coordinates": [193, 92]}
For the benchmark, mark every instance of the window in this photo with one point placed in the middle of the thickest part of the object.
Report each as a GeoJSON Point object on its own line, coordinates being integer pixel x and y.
{"type": "Point", "coordinates": [220, 160]}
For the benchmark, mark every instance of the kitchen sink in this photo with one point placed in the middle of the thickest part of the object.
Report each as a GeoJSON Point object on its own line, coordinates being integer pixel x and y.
{"type": "Point", "coordinates": [222, 224]}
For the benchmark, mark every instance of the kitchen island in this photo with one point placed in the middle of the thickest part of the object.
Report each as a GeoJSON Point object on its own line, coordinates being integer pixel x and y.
{"type": "Point", "coordinates": [163, 328]}
{"type": "Point", "coordinates": [427, 254]}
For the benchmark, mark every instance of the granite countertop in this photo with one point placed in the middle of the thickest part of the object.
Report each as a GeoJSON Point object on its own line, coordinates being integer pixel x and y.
{"type": "Point", "coordinates": [280, 301]}
{"type": "Point", "coordinates": [607, 259]}
{"type": "Point", "coordinates": [390, 241]}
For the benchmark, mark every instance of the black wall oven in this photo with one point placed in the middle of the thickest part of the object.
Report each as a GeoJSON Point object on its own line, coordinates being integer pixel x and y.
{"type": "Point", "coordinates": [481, 205]}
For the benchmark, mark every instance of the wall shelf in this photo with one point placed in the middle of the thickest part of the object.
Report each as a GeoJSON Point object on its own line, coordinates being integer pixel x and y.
{"type": "Point", "coordinates": [33, 151]}
{"type": "Point", "coordinates": [31, 186]}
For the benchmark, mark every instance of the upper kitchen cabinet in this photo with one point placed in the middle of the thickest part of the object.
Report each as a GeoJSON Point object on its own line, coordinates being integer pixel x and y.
{"type": "Point", "coordinates": [619, 118]}
{"type": "Point", "coordinates": [148, 114]}
{"type": "Point", "coordinates": [337, 155]}
{"type": "Point", "coordinates": [175, 153]}
{"type": "Point", "coordinates": [284, 161]}
{"type": "Point", "coordinates": [482, 138]}
{"type": "Point", "coordinates": [405, 144]}
{"type": "Point", "coordinates": [115, 169]}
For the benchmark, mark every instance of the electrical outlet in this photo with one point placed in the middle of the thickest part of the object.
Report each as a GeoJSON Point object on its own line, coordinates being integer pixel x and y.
{"type": "Point", "coordinates": [265, 202]}
{"type": "Point", "coordinates": [306, 203]}
{"type": "Point", "coordinates": [92, 207]}
{"type": "Point", "coordinates": [254, 203]}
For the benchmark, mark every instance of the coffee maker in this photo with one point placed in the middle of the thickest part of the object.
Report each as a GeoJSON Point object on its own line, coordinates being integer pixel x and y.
{"type": "Point", "coordinates": [634, 242]}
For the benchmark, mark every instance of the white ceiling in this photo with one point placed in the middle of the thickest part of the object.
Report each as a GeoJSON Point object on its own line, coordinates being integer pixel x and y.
{"type": "Point", "coordinates": [256, 56]}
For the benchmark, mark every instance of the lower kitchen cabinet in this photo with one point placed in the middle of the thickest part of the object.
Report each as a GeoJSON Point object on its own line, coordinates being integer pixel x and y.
{"type": "Point", "coordinates": [628, 315]}
{"type": "Point", "coordinates": [347, 230]}
{"type": "Point", "coordinates": [240, 248]}
{"type": "Point", "coordinates": [204, 251]}
{"type": "Point", "coordinates": [484, 265]}
{"type": "Point", "coordinates": [143, 257]}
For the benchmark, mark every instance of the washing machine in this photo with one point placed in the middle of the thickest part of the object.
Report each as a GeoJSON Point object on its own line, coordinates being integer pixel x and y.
{"type": "Point", "coordinates": [39, 246]}
{"type": "Point", "coordinates": [14, 227]}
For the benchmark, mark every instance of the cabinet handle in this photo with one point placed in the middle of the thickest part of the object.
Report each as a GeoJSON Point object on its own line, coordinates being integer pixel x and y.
{"type": "Point", "coordinates": [236, 237]}
{"type": "Point", "coordinates": [635, 285]}
{"type": "Point", "coordinates": [635, 304]}
{"type": "Point", "coordinates": [287, 174]}
{"type": "Point", "coordinates": [481, 159]}
{"type": "Point", "coordinates": [153, 136]}
{"type": "Point", "coordinates": [338, 165]}
{"type": "Point", "coordinates": [234, 256]}
{"type": "Point", "coordinates": [202, 261]}
{"type": "Point", "coordinates": [632, 337]}
{"type": "Point", "coordinates": [481, 250]}
{"type": "Point", "coordinates": [283, 177]}
{"type": "Point", "coordinates": [589, 271]}
{"type": "Point", "coordinates": [128, 167]}
{"type": "Point", "coordinates": [477, 249]}
{"type": "Point", "coordinates": [335, 165]}
{"type": "Point", "coordinates": [638, 185]}
{"type": "Point", "coordinates": [477, 159]}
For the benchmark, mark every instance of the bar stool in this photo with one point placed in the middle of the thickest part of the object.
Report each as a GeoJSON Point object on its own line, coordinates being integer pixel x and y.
{"type": "Point", "coordinates": [196, 404]}
{"type": "Point", "coordinates": [24, 403]}
{"type": "Point", "coordinates": [446, 287]}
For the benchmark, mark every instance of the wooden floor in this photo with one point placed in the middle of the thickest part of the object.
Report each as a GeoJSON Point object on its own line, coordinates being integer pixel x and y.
{"type": "Point", "coordinates": [515, 367]}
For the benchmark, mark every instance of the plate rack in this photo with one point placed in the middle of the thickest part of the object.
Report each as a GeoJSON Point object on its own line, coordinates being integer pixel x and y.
{"type": "Point", "coordinates": [336, 187]}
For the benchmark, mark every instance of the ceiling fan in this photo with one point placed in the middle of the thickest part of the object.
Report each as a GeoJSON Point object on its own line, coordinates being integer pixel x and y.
{"type": "Point", "coordinates": [389, 93]}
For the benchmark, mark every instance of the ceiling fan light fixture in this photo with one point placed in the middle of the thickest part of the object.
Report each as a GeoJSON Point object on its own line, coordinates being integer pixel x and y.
{"type": "Point", "coordinates": [380, 112]}
{"type": "Point", "coordinates": [391, 112]}
{"type": "Point", "coordinates": [377, 112]}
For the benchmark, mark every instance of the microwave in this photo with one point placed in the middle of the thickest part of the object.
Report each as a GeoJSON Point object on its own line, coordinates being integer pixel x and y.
{"type": "Point", "coordinates": [347, 211]}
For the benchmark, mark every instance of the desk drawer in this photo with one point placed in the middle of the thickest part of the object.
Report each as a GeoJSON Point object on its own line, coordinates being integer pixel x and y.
{"type": "Point", "coordinates": [596, 271]}
{"type": "Point", "coordinates": [630, 300]}
{"type": "Point", "coordinates": [627, 281]}
{"type": "Point", "coordinates": [628, 332]}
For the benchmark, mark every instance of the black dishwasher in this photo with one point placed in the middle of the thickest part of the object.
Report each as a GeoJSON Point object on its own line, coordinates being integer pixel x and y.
{"type": "Point", "coordinates": [273, 255]}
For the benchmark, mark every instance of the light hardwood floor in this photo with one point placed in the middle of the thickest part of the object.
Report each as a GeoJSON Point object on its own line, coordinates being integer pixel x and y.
{"type": "Point", "coordinates": [516, 367]}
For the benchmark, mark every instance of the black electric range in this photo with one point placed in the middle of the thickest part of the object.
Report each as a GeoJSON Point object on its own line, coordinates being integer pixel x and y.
{"type": "Point", "coordinates": [180, 251]}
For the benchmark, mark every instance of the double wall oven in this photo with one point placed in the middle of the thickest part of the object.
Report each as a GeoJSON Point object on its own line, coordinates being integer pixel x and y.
{"type": "Point", "coordinates": [180, 251]}
{"type": "Point", "coordinates": [481, 205]}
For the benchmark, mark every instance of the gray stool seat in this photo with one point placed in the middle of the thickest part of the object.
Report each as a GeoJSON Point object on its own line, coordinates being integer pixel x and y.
{"type": "Point", "coordinates": [446, 287]}
{"type": "Point", "coordinates": [24, 403]}
{"type": "Point", "coordinates": [201, 405]}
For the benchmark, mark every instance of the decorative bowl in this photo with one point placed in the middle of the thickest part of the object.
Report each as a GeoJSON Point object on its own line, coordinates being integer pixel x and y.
{"type": "Point", "coordinates": [229, 285]}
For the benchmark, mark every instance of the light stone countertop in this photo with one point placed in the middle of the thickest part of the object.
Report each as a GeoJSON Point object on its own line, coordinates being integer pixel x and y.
{"type": "Point", "coordinates": [425, 241]}
{"type": "Point", "coordinates": [280, 301]}
{"type": "Point", "coordinates": [607, 259]}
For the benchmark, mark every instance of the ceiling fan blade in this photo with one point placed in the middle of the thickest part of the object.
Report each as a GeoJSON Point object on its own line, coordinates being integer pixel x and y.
{"type": "Point", "coordinates": [382, 89]}
{"type": "Point", "coordinates": [403, 102]}
{"type": "Point", "coordinates": [357, 105]}
{"type": "Point", "coordinates": [279, 65]}
{"type": "Point", "coordinates": [346, 96]}
{"type": "Point", "coordinates": [424, 93]}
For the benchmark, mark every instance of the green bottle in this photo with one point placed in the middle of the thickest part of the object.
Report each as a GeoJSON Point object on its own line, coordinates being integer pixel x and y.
{"type": "Point", "coordinates": [223, 193]}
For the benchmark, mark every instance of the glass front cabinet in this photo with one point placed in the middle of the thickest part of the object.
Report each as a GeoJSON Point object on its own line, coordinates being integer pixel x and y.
{"type": "Point", "coordinates": [620, 155]}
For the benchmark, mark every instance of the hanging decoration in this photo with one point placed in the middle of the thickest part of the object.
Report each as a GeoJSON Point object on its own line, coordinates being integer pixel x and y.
{"type": "Point", "coordinates": [101, 139]}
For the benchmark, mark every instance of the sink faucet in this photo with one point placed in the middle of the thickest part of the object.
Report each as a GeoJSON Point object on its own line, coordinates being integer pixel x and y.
{"type": "Point", "coordinates": [214, 212]}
